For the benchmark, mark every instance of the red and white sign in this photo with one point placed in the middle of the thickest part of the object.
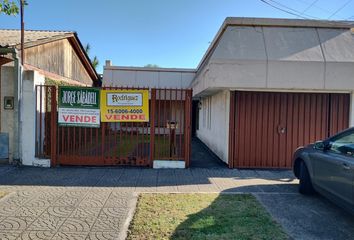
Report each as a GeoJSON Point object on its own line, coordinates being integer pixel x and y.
{"type": "Point", "coordinates": [79, 117]}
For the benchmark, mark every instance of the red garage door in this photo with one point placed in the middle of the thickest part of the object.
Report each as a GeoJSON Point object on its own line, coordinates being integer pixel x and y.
{"type": "Point", "coordinates": [267, 127]}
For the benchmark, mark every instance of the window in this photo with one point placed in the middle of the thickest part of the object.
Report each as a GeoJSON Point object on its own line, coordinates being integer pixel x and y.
{"type": "Point", "coordinates": [206, 105]}
{"type": "Point", "coordinates": [209, 113]}
{"type": "Point", "coordinates": [204, 112]}
{"type": "Point", "coordinates": [343, 144]}
{"type": "Point", "coordinates": [197, 117]}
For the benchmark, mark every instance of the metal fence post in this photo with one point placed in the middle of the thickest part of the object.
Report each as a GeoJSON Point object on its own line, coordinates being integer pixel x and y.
{"type": "Point", "coordinates": [152, 127]}
{"type": "Point", "coordinates": [187, 133]}
{"type": "Point", "coordinates": [53, 144]}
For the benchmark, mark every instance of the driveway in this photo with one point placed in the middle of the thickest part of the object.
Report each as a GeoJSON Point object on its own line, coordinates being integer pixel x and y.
{"type": "Point", "coordinates": [95, 203]}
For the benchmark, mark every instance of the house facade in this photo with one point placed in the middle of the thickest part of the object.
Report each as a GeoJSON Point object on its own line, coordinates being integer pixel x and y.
{"type": "Point", "coordinates": [50, 57]}
{"type": "Point", "coordinates": [265, 87]}
{"type": "Point", "coordinates": [268, 86]}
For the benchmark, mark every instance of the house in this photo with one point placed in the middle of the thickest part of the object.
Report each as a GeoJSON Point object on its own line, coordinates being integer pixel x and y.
{"type": "Point", "coordinates": [50, 57]}
{"type": "Point", "coordinates": [268, 86]}
{"type": "Point", "coordinates": [264, 87]}
{"type": "Point", "coordinates": [146, 77]}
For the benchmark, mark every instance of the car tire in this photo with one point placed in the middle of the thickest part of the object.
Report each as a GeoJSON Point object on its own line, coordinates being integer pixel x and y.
{"type": "Point", "coordinates": [305, 186]}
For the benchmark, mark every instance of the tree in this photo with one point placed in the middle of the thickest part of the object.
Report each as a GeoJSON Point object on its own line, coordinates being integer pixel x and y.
{"type": "Point", "coordinates": [9, 7]}
{"type": "Point", "coordinates": [151, 65]}
{"type": "Point", "coordinates": [87, 48]}
{"type": "Point", "coordinates": [95, 62]}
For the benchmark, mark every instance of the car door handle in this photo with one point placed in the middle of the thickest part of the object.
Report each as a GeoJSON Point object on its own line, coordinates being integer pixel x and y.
{"type": "Point", "coordinates": [346, 166]}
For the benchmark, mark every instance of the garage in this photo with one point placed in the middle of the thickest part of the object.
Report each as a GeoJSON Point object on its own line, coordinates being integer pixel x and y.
{"type": "Point", "coordinates": [266, 127]}
{"type": "Point", "coordinates": [267, 86]}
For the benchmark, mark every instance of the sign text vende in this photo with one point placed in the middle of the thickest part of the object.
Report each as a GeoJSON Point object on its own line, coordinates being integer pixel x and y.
{"type": "Point", "coordinates": [79, 106]}
{"type": "Point", "coordinates": [125, 105]}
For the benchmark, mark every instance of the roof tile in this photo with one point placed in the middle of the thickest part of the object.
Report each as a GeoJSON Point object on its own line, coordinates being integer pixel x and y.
{"type": "Point", "coordinates": [11, 38]}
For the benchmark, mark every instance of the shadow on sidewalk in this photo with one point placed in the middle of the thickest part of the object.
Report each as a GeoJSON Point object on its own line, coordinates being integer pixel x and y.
{"type": "Point", "coordinates": [133, 177]}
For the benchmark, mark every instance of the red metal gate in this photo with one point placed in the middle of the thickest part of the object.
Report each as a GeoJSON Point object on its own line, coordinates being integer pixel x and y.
{"type": "Point", "coordinates": [167, 136]}
{"type": "Point", "coordinates": [267, 127]}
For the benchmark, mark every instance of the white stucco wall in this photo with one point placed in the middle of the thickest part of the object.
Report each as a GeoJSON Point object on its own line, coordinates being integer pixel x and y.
{"type": "Point", "coordinates": [351, 114]}
{"type": "Point", "coordinates": [147, 77]}
{"type": "Point", "coordinates": [214, 132]}
{"type": "Point", "coordinates": [28, 121]}
{"type": "Point", "coordinates": [294, 58]}
{"type": "Point", "coordinates": [7, 116]}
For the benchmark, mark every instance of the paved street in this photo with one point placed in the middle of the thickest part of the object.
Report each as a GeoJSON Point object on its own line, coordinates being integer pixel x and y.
{"type": "Point", "coordinates": [94, 203]}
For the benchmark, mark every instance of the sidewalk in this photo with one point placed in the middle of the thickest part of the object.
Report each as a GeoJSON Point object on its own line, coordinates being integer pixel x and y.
{"type": "Point", "coordinates": [150, 180]}
{"type": "Point", "coordinates": [94, 203]}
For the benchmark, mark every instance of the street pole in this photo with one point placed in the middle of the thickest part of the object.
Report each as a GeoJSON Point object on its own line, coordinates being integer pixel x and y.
{"type": "Point", "coordinates": [18, 91]}
{"type": "Point", "coordinates": [22, 32]}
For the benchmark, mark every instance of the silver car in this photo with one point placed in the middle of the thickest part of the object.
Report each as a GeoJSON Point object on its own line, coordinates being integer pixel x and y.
{"type": "Point", "coordinates": [327, 167]}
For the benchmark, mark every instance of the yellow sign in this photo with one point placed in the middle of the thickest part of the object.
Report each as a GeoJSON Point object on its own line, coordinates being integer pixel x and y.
{"type": "Point", "coordinates": [124, 105]}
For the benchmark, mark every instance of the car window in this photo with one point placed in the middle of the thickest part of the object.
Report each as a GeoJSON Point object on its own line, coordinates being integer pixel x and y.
{"type": "Point", "coordinates": [343, 145]}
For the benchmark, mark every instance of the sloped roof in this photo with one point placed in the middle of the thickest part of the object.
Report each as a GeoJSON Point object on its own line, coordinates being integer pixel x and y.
{"type": "Point", "coordinates": [12, 38]}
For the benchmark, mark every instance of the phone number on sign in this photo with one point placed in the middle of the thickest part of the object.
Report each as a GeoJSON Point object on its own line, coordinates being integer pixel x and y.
{"type": "Point", "coordinates": [124, 111]}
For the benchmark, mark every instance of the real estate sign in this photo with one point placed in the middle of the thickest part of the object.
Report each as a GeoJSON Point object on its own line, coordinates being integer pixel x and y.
{"type": "Point", "coordinates": [79, 106]}
{"type": "Point", "coordinates": [124, 105]}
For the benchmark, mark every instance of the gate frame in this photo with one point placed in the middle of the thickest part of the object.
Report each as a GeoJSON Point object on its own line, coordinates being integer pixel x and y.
{"type": "Point", "coordinates": [54, 127]}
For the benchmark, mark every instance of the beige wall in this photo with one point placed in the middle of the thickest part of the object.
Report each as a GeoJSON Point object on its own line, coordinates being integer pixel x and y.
{"type": "Point", "coordinates": [7, 116]}
{"type": "Point", "coordinates": [214, 123]}
{"type": "Point", "coordinates": [58, 57]}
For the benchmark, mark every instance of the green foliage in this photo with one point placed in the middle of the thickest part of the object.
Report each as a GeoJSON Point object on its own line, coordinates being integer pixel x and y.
{"type": "Point", "coordinates": [151, 65]}
{"type": "Point", "coordinates": [8, 7]}
{"type": "Point", "coordinates": [95, 62]}
{"type": "Point", "coordinates": [87, 48]}
{"type": "Point", "coordinates": [52, 82]}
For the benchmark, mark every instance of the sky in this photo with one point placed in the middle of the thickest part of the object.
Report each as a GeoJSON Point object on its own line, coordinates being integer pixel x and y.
{"type": "Point", "coordinates": [169, 33]}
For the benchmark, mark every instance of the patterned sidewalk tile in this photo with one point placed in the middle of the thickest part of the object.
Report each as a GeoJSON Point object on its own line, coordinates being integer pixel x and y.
{"type": "Point", "coordinates": [70, 236]}
{"type": "Point", "coordinates": [47, 222]}
{"type": "Point", "coordinates": [93, 204]}
{"type": "Point", "coordinates": [15, 223]}
{"type": "Point", "coordinates": [37, 235]}
{"type": "Point", "coordinates": [103, 236]}
{"type": "Point", "coordinates": [77, 225]}
{"type": "Point", "coordinates": [9, 235]}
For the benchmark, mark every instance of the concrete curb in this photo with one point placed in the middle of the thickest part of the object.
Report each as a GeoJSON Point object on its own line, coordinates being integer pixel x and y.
{"type": "Point", "coordinates": [221, 192]}
{"type": "Point", "coordinates": [131, 206]}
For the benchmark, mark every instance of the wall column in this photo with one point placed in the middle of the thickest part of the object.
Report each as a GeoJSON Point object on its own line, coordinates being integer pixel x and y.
{"type": "Point", "coordinates": [28, 126]}
{"type": "Point", "coordinates": [351, 111]}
